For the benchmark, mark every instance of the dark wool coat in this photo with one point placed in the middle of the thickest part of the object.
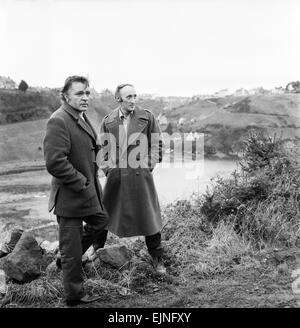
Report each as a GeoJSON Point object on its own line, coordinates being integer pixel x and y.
{"type": "Point", "coordinates": [129, 195]}
{"type": "Point", "coordinates": [70, 150]}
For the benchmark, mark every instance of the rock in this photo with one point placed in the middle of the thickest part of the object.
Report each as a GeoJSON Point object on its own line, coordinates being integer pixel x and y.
{"type": "Point", "coordinates": [92, 268]}
{"type": "Point", "coordinates": [1, 263]}
{"type": "Point", "coordinates": [116, 256]}
{"type": "Point", "coordinates": [49, 247]}
{"type": "Point", "coordinates": [90, 254]}
{"type": "Point", "coordinates": [52, 269]}
{"type": "Point", "coordinates": [285, 256]}
{"type": "Point", "coordinates": [11, 240]}
{"type": "Point", "coordinates": [25, 262]}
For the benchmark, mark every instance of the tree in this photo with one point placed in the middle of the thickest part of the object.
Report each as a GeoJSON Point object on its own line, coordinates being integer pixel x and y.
{"type": "Point", "coordinates": [293, 87]}
{"type": "Point", "coordinates": [23, 86]}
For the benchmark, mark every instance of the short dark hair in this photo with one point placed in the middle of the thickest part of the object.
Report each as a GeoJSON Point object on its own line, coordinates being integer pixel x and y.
{"type": "Point", "coordinates": [119, 87]}
{"type": "Point", "coordinates": [69, 81]}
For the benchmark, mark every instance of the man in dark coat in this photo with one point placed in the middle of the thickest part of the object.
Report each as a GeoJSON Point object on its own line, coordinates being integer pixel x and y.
{"type": "Point", "coordinates": [70, 149]}
{"type": "Point", "coordinates": [132, 145]}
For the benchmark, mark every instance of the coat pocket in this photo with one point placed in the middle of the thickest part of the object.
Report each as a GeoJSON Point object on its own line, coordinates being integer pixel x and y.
{"type": "Point", "coordinates": [89, 191]}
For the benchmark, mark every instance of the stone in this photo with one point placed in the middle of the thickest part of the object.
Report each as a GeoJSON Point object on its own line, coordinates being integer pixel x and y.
{"type": "Point", "coordinates": [52, 269]}
{"type": "Point", "coordinates": [25, 261]}
{"type": "Point", "coordinates": [11, 240]}
{"type": "Point", "coordinates": [90, 254]}
{"type": "Point", "coordinates": [1, 263]}
{"type": "Point", "coordinates": [49, 247]}
{"type": "Point", "coordinates": [116, 256]}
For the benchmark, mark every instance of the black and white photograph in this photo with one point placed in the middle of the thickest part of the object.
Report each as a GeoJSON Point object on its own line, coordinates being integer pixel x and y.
{"type": "Point", "coordinates": [149, 157]}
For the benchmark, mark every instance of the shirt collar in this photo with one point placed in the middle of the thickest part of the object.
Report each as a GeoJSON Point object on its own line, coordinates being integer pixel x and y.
{"type": "Point", "coordinates": [122, 116]}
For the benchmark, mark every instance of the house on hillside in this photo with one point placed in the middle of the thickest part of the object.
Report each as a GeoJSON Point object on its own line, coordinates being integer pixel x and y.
{"type": "Point", "coordinates": [7, 83]}
{"type": "Point", "coordinates": [278, 91]}
{"type": "Point", "coordinates": [222, 93]}
{"type": "Point", "coordinates": [145, 96]}
{"type": "Point", "coordinates": [241, 92]}
{"type": "Point", "coordinates": [258, 91]}
{"type": "Point", "coordinates": [200, 97]}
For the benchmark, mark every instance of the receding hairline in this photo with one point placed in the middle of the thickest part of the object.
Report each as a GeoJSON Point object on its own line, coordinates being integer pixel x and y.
{"type": "Point", "coordinates": [127, 86]}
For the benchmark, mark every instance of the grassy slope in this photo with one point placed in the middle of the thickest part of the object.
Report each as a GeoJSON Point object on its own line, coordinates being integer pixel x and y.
{"type": "Point", "coordinates": [266, 110]}
{"type": "Point", "coordinates": [24, 141]}
{"type": "Point", "coordinates": [225, 121]}
{"type": "Point", "coordinates": [21, 141]}
{"type": "Point", "coordinates": [276, 113]}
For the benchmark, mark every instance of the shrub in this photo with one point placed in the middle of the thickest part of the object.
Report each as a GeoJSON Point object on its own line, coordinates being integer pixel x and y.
{"type": "Point", "coordinates": [262, 198]}
{"type": "Point", "coordinates": [23, 86]}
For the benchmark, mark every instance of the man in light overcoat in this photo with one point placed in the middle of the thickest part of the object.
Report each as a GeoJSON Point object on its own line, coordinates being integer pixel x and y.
{"type": "Point", "coordinates": [131, 147]}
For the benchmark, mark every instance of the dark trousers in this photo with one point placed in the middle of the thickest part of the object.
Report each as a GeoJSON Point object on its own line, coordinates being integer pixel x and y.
{"type": "Point", "coordinates": [153, 243]}
{"type": "Point", "coordinates": [74, 240]}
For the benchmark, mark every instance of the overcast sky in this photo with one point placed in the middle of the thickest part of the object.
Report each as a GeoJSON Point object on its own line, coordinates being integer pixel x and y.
{"type": "Point", "coordinates": [164, 47]}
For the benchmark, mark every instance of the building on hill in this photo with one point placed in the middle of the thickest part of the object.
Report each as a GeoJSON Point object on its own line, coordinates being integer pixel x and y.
{"type": "Point", "coordinates": [222, 93]}
{"type": "Point", "coordinates": [258, 91]}
{"type": "Point", "coordinates": [145, 96]}
{"type": "Point", "coordinates": [241, 92]}
{"type": "Point", "coordinates": [278, 91]}
{"type": "Point", "coordinates": [7, 83]}
{"type": "Point", "coordinates": [200, 97]}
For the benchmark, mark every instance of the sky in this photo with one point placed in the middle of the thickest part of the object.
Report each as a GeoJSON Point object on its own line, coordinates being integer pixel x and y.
{"type": "Point", "coordinates": [179, 47]}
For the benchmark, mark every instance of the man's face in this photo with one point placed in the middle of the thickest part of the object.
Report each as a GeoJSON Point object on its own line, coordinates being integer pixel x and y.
{"type": "Point", "coordinates": [78, 96]}
{"type": "Point", "coordinates": [128, 96]}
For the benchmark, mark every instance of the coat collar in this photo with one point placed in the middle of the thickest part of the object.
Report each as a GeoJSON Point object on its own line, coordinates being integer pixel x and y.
{"type": "Point", "coordinates": [137, 114]}
{"type": "Point", "coordinates": [138, 121]}
{"type": "Point", "coordinates": [71, 110]}
{"type": "Point", "coordinates": [86, 126]}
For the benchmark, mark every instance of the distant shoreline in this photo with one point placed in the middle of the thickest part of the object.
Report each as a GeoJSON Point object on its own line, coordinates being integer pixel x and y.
{"type": "Point", "coordinates": [17, 167]}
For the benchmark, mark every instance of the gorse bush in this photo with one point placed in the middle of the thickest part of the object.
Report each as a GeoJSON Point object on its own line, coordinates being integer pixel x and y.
{"type": "Point", "coordinates": [262, 198]}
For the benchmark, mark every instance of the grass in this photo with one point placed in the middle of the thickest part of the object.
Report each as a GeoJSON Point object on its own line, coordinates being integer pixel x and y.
{"type": "Point", "coordinates": [226, 232]}
{"type": "Point", "coordinates": [262, 199]}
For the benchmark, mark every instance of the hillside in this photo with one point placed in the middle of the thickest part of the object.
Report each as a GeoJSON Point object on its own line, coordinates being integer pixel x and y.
{"type": "Point", "coordinates": [24, 141]}
{"type": "Point", "coordinates": [225, 121]}
{"type": "Point", "coordinates": [18, 106]}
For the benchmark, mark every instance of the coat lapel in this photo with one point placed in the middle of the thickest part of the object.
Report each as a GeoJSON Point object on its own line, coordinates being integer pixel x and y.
{"type": "Point", "coordinates": [137, 124]}
{"type": "Point", "coordinates": [113, 123]}
{"type": "Point", "coordinates": [85, 126]}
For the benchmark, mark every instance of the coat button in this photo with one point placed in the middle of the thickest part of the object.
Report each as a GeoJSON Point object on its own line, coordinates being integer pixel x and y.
{"type": "Point", "coordinates": [137, 173]}
{"type": "Point", "coordinates": [93, 148]}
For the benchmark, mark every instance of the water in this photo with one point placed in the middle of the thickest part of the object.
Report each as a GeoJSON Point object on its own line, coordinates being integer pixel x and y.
{"type": "Point", "coordinates": [30, 208]}
{"type": "Point", "coordinates": [180, 183]}
{"type": "Point", "coordinates": [175, 183]}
